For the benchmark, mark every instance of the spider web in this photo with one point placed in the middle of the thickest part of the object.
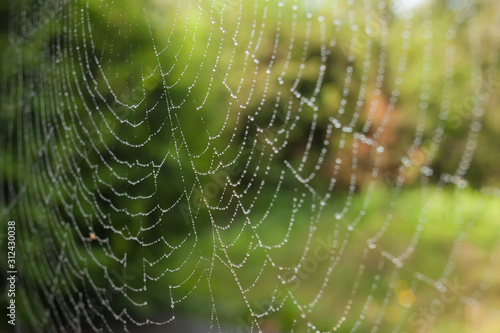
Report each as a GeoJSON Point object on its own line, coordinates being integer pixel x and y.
{"type": "Point", "coordinates": [261, 165]}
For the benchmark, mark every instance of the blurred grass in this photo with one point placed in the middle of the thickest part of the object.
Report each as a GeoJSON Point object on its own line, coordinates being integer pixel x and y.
{"type": "Point", "coordinates": [460, 240]}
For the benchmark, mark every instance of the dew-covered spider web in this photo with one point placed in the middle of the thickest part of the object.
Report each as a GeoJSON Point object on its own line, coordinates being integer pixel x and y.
{"type": "Point", "coordinates": [252, 165]}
